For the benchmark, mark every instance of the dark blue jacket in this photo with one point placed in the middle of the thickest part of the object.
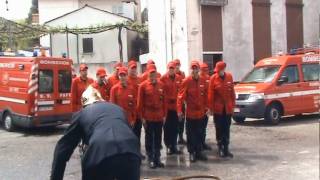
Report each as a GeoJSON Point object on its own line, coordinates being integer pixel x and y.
{"type": "Point", "coordinates": [104, 129]}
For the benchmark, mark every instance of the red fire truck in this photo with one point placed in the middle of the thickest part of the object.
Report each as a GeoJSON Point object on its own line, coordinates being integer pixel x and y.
{"type": "Point", "coordinates": [35, 91]}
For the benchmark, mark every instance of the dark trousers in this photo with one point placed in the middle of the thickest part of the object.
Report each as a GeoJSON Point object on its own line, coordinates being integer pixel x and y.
{"type": "Point", "coordinates": [153, 138]}
{"type": "Point", "coordinates": [181, 127]}
{"type": "Point", "coordinates": [120, 167]}
{"type": "Point", "coordinates": [182, 124]}
{"type": "Point", "coordinates": [137, 129]}
{"type": "Point", "coordinates": [204, 128]}
{"type": "Point", "coordinates": [194, 128]}
{"type": "Point", "coordinates": [170, 129]}
{"type": "Point", "coordinates": [222, 124]}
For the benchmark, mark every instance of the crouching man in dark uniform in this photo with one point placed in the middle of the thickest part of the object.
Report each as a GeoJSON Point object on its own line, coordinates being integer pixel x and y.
{"type": "Point", "coordinates": [112, 148]}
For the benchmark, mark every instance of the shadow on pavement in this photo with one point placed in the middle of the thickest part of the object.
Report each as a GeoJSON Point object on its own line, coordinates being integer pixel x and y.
{"type": "Point", "coordinates": [285, 121]}
{"type": "Point", "coordinates": [43, 131]}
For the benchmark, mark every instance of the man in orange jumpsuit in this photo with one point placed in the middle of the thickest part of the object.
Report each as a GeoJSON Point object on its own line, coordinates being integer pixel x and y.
{"type": "Point", "coordinates": [101, 84]}
{"type": "Point", "coordinates": [152, 108]}
{"type": "Point", "coordinates": [221, 100]}
{"type": "Point", "coordinates": [204, 73]}
{"type": "Point", "coordinates": [182, 121]}
{"type": "Point", "coordinates": [172, 83]}
{"type": "Point", "coordinates": [114, 78]}
{"type": "Point", "coordinates": [79, 85]}
{"type": "Point", "coordinates": [125, 96]}
{"type": "Point", "coordinates": [178, 66]}
{"type": "Point", "coordinates": [134, 81]}
{"type": "Point", "coordinates": [144, 76]}
{"type": "Point", "coordinates": [193, 93]}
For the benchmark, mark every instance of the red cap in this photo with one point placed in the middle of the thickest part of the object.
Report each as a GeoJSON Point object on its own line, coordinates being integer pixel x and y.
{"type": "Point", "coordinates": [132, 64]}
{"type": "Point", "coordinates": [220, 66]}
{"type": "Point", "coordinates": [204, 66]}
{"type": "Point", "coordinates": [177, 62]}
{"type": "Point", "coordinates": [123, 70]}
{"type": "Point", "coordinates": [150, 61]}
{"type": "Point", "coordinates": [117, 65]}
{"type": "Point", "coordinates": [83, 67]}
{"type": "Point", "coordinates": [195, 63]}
{"type": "Point", "coordinates": [101, 72]}
{"type": "Point", "coordinates": [171, 65]}
{"type": "Point", "coordinates": [152, 68]}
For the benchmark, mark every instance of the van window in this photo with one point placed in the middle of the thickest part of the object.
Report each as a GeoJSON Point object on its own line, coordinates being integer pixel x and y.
{"type": "Point", "coordinates": [292, 73]}
{"type": "Point", "coordinates": [45, 81]}
{"type": "Point", "coordinates": [311, 72]}
{"type": "Point", "coordinates": [261, 74]}
{"type": "Point", "coordinates": [64, 81]}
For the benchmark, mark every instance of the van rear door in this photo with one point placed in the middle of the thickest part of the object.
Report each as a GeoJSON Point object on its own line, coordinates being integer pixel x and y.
{"type": "Point", "coordinates": [63, 95]}
{"type": "Point", "coordinates": [45, 98]}
{"type": "Point", "coordinates": [54, 96]}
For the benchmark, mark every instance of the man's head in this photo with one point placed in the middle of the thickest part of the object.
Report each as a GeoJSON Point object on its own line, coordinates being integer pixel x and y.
{"type": "Point", "coordinates": [150, 61]}
{"type": "Point", "coordinates": [123, 74]}
{"type": "Point", "coordinates": [204, 68]}
{"type": "Point", "coordinates": [220, 68]}
{"type": "Point", "coordinates": [171, 68]}
{"type": "Point", "coordinates": [177, 64]}
{"type": "Point", "coordinates": [101, 75]}
{"type": "Point", "coordinates": [132, 68]}
{"type": "Point", "coordinates": [152, 70]}
{"type": "Point", "coordinates": [83, 70]}
{"type": "Point", "coordinates": [90, 96]}
{"type": "Point", "coordinates": [195, 67]}
{"type": "Point", "coordinates": [116, 68]}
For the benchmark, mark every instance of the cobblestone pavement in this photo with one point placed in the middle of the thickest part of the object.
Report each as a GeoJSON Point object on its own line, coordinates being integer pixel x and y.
{"type": "Point", "coordinates": [288, 151]}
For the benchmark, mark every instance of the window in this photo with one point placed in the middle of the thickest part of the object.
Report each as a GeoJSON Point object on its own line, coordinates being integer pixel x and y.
{"type": "Point", "coordinates": [45, 81]}
{"type": "Point", "coordinates": [292, 73]}
{"type": "Point", "coordinates": [211, 60]}
{"type": "Point", "coordinates": [261, 74]}
{"type": "Point", "coordinates": [117, 9]}
{"type": "Point", "coordinates": [87, 45]}
{"type": "Point", "coordinates": [64, 81]}
{"type": "Point", "coordinates": [311, 72]}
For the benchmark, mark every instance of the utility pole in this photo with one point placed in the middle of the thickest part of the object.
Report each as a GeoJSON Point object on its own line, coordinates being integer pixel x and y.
{"type": "Point", "coordinates": [10, 40]}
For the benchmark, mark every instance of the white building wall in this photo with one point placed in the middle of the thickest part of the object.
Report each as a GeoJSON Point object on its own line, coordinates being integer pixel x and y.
{"type": "Point", "coordinates": [311, 20]}
{"type": "Point", "coordinates": [50, 9]}
{"type": "Point", "coordinates": [180, 33]}
{"type": "Point", "coordinates": [105, 47]}
{"type": "Point", "coordinates": [162, 47]}
{"type": "Point", "coordinates": [238, 37]}
{"type": "Point", "coordinates": [105, 44]}
{"type": "Point", "coordinates": [194, 30]}
{"type": "Point", "coordinates": [278, 26]}
{"type": "Point", "coordinates": [157, 34]}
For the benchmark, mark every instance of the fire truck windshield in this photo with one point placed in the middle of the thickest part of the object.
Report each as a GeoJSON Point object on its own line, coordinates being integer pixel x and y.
{"type": "Point", "coordinates": [261, 74]}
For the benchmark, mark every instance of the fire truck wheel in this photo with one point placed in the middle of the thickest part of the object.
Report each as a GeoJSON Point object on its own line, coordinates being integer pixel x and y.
{"type": "Point", "coordinates": [7, 122]}
{"type": "Point", "coordinates": [239, 119]}
{"type": "Point", "coordinates": [273, 114]}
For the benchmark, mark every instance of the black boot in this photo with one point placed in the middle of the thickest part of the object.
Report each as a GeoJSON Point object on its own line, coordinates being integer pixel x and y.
{"type": "Point", "coordinates": [192, 157]}
{"type": "Point", "coordinates": [206, 147]}
{"type": "Point", "coordinates": [158, 163]}
{"type": "Point", "coordinates": [201, 156]}
{"type": "Point", "coordinates": [220, 151]}
{"type": "Point", "coordinates": [175, 150]}
{"type": "Point", "coordinates": [170, 151]}
{"type": "Point", "coordinates": [181, 140]}
{"type": "Point", "coordinates": [226, 152]}
{"type": "Point", "coordinates": [152, 164]}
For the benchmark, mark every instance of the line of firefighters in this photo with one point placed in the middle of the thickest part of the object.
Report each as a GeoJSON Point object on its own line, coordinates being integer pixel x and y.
{"type": "Point", "coordinates": [168, 103]}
